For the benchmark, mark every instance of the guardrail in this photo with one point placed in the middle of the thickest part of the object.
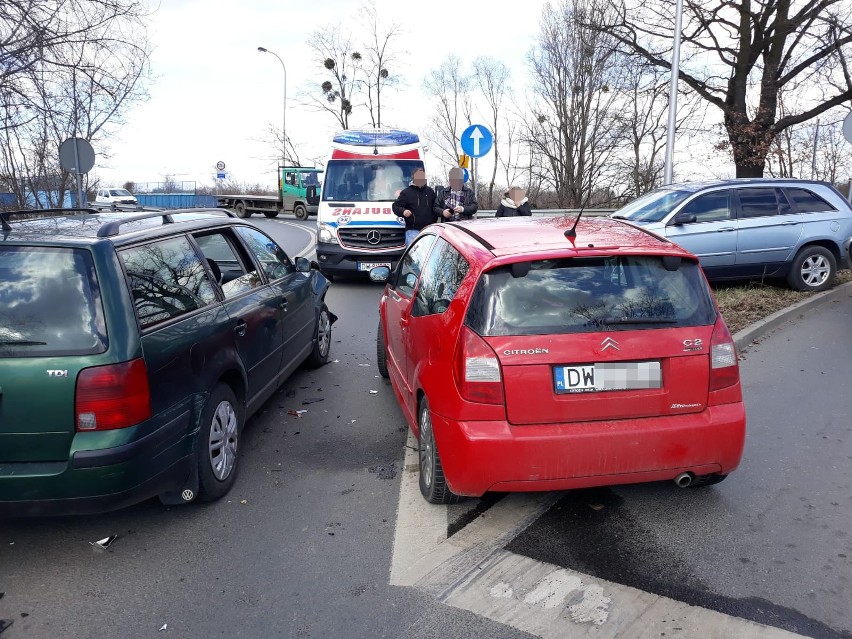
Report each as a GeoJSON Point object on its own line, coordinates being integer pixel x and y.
{"type": "Point", "coordinates": [549, 212]}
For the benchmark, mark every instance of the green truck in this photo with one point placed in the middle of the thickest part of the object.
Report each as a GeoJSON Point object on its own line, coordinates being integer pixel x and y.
{"type": "Point", "coordinates": [298, 193]}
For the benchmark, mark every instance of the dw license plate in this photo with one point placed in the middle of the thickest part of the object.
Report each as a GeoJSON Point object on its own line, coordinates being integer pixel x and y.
{"type": "Point", "coordinates": [609, 376]}
{"type": "Point", "coordinates": [369, 266]}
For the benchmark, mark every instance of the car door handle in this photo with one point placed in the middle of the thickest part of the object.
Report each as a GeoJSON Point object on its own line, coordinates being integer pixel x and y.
{"type": "Point", "coordinates": [283, 304]}
{"type": "Point", "coordinates": [726, 228]}
{"type": "Point", "coordinates": [240, 328]}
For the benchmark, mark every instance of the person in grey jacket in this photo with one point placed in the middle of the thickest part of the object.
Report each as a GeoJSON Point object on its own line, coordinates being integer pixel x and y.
{"type": "Point", "coordinates": [455, 202]}
{"type": "Point", "coordinates": [514, 203]}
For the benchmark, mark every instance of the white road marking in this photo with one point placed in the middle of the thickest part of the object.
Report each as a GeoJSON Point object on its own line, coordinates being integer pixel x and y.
{"type": "Point", "coordinates": [472, 571]}
{"type": "Point", "coordinates": [312, 244]}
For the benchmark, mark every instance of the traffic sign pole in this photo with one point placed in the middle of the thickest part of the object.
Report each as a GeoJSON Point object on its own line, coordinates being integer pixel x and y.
{"type": "Point", "coordinates": [79, 177]}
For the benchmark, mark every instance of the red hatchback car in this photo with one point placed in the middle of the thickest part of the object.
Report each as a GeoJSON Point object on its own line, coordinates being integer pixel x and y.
{"type": "Point", "coordinates": [543, 354]}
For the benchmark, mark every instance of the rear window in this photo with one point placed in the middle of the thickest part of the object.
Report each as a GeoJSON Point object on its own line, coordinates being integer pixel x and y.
{"type": "Point", "coordinates": [808, 202]}
{"type": "Point", "coordinates": [584, 295]}
{"type": "Point", "coordinates": [50, 303]}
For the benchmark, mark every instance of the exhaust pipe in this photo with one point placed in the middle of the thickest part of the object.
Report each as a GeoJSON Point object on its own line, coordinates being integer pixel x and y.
{"type": "Point", "coordinates": [683, 480]}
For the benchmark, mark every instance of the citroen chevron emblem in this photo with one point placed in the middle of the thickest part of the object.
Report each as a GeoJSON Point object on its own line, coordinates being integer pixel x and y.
{"type": "Point", "coordinates": [609, 343]}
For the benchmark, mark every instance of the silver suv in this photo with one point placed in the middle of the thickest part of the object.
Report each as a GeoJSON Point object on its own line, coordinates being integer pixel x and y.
{"type": "Point", "coordinates": [800, 230]}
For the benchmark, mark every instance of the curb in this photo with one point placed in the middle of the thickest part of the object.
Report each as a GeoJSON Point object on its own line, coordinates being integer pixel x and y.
{"type": "Point", "coordinates": [744, 338]}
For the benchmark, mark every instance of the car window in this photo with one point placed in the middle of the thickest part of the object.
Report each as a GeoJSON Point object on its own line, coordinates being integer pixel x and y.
{"type": "Point", "coordinates": [235, 275]}
{"type": "Point", "coordinates": [167, 280]}
{"type": "Point", "coordinates": [583, 295]}
{"type": "Point", "coordinates": [710, 207]}
{"type": "Point", "coordinates": [50, 303]}
{"type": "Point", "coordinates": [411, 265]}
{"type": "Point", "coordinates": [652, 207]}
{"type": "Point", "coordinates": [440, 280]}
{"type": "Point", "coordinates": [760, 202]}
{"type": "Point", "coordinates": [271, 257]}
{"type": "Point", "coordinates": [807, 202]}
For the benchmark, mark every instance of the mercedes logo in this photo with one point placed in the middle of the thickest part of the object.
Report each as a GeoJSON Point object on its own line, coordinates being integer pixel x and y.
{"type": "Point", "coordinates": [374, 237]}
{"type": "Point", "coordinates": [609, 343]}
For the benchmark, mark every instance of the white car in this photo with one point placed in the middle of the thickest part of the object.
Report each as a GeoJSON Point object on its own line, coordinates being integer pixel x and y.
{"type": "Point", "coordinates": [117, 196]}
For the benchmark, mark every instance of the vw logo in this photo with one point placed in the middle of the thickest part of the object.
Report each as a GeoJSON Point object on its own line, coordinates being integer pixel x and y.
{"type": "Point", "coordinates": [187, 495]}
{"type": "Point", "coordinates": [609, 343]}
{"type": "Point", "coordinates": [374, 237]}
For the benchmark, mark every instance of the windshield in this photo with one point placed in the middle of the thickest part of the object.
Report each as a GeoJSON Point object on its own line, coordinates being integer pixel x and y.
{"type": "Point", "coordinates": [583, 295]}
{"type": "Point", "coordinates": [652, 207]}
{"type": "Point", "coordinates": [367, 180]}
{"type": "Point", "coordinates": [119, 192]}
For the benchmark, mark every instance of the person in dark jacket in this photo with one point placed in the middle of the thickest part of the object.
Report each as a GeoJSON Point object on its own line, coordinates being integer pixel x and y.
{"type": "Point", "coordinates": [416, 203]}
{"type": "Point", "coordinates": [514, 203]}
{"type": "Point", "coordinates": [456, 202]}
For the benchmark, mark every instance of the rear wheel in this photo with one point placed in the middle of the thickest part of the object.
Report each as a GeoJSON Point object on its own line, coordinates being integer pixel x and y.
{"type": "Point", "coordinates": [218, 443]}
{"type": "Point", "coordinates": [813, 269]}
{"type": "Point", "coordinates": [301, 212]}
{"type": "Point", "coordinates": [240, 209]}
{"type": "Point", "coordinates": [433, 484]}
{"type": "Point", "coordinates": [322, 339]}
{"type": "Point", "coordinates": [381, 352]}
{"type": "Point", "coordinates": [271, 213]}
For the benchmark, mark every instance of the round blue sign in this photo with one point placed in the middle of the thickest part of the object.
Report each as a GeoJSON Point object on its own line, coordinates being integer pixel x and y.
{"type": "Point", "coordinates": [466, 176]}
{"type": "Point", "coordinates": [476, 140]}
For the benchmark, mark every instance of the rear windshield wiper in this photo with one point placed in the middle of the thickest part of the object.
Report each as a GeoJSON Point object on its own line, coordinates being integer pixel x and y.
{"type": "Point", "coordinates": [22, 342]}
{"type": "Point", "coordinates": [636, 320]}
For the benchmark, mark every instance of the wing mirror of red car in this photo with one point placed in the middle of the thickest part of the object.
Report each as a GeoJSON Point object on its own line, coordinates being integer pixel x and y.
{"type": "Point", "coordinates": [380, 274]}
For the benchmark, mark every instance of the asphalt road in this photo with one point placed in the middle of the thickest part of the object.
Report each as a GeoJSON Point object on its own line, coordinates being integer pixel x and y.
{"type": "Point", "coordinates": [302, 546]}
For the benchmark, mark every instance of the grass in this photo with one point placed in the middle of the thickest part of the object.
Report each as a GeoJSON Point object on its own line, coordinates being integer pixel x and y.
{"type": "Point", "coordinates": [743, 304]}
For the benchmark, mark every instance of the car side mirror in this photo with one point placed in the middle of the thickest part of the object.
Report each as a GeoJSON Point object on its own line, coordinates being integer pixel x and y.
{"type": "Point", "coordinates": [303, 265]}
{"type": "Point", "coordinates": [380, 274]}
{"type": "Point", "coordinates": [311, 195]}
{"type": "Point", "coordinates": [686, 218]}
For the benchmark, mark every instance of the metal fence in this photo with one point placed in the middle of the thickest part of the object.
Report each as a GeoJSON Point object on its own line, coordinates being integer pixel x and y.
{"type": "Point", "coordinates": [145, 188]}
{"type": "Point", "coordinates": [176, 200]}
{"type": "Point", "coordinates": [550, 212]}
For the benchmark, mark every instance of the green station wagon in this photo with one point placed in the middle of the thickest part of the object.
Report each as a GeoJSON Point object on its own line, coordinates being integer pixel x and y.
{"type": "Point", "coordinates": [133, 347]}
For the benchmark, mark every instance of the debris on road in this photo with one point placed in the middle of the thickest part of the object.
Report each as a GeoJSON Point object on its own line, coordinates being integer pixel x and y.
{"type": "Point", "coordinates": [4, 624]}
{"type": "Point", "coordinates": [296, 413]}
{"type": "Point", "coordinates": [104, 543]}
{"type": "Point", "coordinates": [163, 627]}
{"type": "Point", "coordinates": [312, 400]}
{"type": "Point", "coordinates": [384, 471]}
{"type": "Point", "coordinates": [372, 392]}
{"type": "Point", "coordinates": [363, 364]}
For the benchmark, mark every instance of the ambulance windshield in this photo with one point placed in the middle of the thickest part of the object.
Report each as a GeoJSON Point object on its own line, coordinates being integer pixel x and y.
{"type": "Point", "coordinates": [367, 180]}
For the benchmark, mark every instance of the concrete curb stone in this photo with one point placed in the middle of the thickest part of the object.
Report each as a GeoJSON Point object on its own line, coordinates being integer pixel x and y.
{"type": "Point", "coordinates": [747, 336]}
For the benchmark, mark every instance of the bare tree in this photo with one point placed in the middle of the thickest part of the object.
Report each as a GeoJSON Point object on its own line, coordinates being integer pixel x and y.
{"type": "Point", "coordinates": [759, 51]}
{"type": "Point", "coordinates": [450, 88]}
{"type": "Point", "coordinates": [818, 151]}
{"type": "Point", "coordinates": [491, 76]}
{"type": "Point", "coordinates": [335, 52]}
{"type": "Point", "coordinates": [69, 68]}
{"type": "Point", "coordinates": [381, 63]}
{"type": "Point", "coordinates": [572, 127]}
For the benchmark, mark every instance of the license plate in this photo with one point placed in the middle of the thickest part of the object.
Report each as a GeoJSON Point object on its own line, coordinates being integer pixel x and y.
{"type": "Point", "coordinates": [369, 266]}
{"type": "Point", "coordinates": [608, 376]}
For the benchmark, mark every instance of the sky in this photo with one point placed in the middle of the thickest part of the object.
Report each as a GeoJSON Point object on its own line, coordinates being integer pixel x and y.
{"type": "Point", "coordinates": [214, 94]}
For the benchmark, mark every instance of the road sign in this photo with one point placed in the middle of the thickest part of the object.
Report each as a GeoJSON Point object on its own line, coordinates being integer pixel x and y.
{"type": "Point", "coordinates": [74, 152]}
{"type": "Point", "coordinates": [220, 175]}
{"type": "Point", "coordinates": [466, 176]}
{"type": "Point", "coordinates": [476, 140]}
{"type": "Point", "coordinates": [847, 127]}
{"type": "Point", "coordinates": [464, 161]}
{"type": "Point", "coordinates": [220, 166]}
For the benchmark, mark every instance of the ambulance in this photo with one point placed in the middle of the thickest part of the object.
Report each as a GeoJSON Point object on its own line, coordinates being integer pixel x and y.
{"type": "Point", "coordinates": [356, 228]}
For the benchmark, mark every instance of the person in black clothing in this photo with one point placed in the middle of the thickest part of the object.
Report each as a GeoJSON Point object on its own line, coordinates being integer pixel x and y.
{"type": "Point", "coordinates": [416, 203]}
{"type": "Point", "coordinates": [514, 203]}
{"type": "Point", "coordinates": [456, 202]}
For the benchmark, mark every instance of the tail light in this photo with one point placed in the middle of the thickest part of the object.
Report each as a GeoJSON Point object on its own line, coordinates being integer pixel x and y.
{"type": "Point", "coordinates": [477, 370]}
{"type": "Point", "coordinates": [724, 368]}
{"type": "Point", "coordinates": [113, 396]}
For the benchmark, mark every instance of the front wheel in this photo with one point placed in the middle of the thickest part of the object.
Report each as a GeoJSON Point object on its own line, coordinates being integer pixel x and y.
{"type": "Point", "coordinates": [218, 443]}
{"type": "Point", "coordinates": [322, 339]}
{"type": "Point", "coordinates": [813, 269]}
{"type": "Point", "coordinates": [433, 484]}
{"type": "Point", "coordinates": [301, 212]}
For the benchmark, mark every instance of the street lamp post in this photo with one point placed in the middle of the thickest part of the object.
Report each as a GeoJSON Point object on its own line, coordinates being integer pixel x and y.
{"type": "Point", "coordinates": [284, 122]}
{"type": "Point", "coordinates": [667, 179]}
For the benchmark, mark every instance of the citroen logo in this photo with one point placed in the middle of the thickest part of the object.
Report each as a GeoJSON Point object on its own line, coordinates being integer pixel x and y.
{"type": "Point", "coordinates": [374, 237]}
{"type": "Point", "coordinates": [609, 343]}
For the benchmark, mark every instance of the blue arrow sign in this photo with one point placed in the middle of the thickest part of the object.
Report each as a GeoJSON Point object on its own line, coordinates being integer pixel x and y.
{"type": "Point", "coordinates": [476, 141]}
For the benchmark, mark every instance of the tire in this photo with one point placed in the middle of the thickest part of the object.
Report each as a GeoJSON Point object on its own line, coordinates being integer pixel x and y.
{"type": "Point", "coordinates": [433, 484]}
{"type": "Point", "coordinates": [218, 443]}
{"type": "Point", "coordinates": [271, 214]}
{"type": "Point", "coordinates": [813, 269]}
{"type": "Point", "coordinates": [240, 210]}
{"type": "Point", "coordinates": [381, 352]}
{"type": "Point", "coordinates": [322, 339]}
{"type": "Point", "coordinates": [301, 212]}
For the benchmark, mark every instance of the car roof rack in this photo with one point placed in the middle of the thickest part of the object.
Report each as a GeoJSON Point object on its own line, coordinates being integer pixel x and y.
{"type": "Point", "coordinates": [36, 213]}
{"type": "Point", "coordinates": [114, 207]}
{"type": "Point", "coordinates": [111, 229]}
